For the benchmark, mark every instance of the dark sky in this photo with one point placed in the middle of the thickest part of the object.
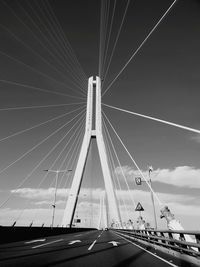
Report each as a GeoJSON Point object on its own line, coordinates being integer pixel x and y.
{"type": "Point", "coordinates": [162, 81]}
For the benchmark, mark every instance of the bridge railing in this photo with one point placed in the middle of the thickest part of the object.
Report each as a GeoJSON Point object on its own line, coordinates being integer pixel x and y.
{"type": "Point", "coordinates": [173, 240]}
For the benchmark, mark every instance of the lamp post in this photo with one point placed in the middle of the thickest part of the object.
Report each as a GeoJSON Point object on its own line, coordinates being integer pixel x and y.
{"type": "Point", "coordinates": [55, 193]}
{"type": "Point", "coordinates": [152, 198]}
{"type": "Point", "coordinates": [139, 181]}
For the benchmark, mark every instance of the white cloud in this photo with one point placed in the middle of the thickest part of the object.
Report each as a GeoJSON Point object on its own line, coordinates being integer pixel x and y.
{"type": "Point", "coordinates": [48, 194]}
{"type": "Point", "coordinates": [183, 176]}
{"type": "Point", "coordinates": [33, 193]}
{"type": "Point", "coordinates": [48, 202]}
{"type": "Point", "coordinates": [45, 196]}
{"type": "Point", "coordinates": [185, 208]}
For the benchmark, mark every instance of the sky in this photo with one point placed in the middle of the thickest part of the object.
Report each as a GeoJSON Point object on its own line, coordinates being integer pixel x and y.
{"type": "Point", "coordinates": [161, 81]}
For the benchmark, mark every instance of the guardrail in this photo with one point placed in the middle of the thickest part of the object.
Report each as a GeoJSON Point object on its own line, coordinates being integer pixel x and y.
{"type": "Point", "coordinates": [173, 240]}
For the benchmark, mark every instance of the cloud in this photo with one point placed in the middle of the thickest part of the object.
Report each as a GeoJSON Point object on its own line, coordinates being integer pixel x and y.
{"type": "Point", "coordinates": [48, 202]}
{"type": "Point", "coordinates": [45, 196]}
{"type": "Point", "coordinates": [185, 207]}
{"type": "Point", "coordinates": [48, 193]}
{"type": "Point", "coordinates": [166, 198]}
{"type": "Point", "coordinates": [182, 206]}
{"type": "Point", "coordinates": [33, 193]}
{"type": "Point", "coordinates": [182, 176]}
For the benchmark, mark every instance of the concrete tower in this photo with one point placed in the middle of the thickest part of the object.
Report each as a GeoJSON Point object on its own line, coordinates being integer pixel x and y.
{"type": "Point", "coordinates": [92, 131]}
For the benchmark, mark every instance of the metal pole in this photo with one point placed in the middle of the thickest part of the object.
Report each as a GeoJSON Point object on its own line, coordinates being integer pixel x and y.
{"type": "Point", "coordinates": [56, 186]}
{"type": "Point", "coordinates": [54, 204]}
{"type": "Point", "coordinates": [152, 199]}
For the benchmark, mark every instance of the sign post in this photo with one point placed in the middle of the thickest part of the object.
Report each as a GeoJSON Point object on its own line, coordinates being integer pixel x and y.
{"type": "Point", "coordinates": [139, 208]}
{"type": "Point", "coordinates": [139, 181]}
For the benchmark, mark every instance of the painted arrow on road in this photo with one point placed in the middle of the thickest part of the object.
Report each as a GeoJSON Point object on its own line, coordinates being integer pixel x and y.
{"type": "Point", "coordinates": [114, 243]}
{"type": "Point", "coordinates": [34, 241]}
{"type": "Point", "coordinates": [74, 241]}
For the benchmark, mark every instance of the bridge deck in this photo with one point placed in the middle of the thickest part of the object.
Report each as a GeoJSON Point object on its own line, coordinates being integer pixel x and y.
{"type": "Point", "coordinates": [89, 248]}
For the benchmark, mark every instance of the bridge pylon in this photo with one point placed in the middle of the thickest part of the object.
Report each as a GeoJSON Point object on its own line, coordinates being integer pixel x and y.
{"type": "Point", "coordinates": [93, 129]}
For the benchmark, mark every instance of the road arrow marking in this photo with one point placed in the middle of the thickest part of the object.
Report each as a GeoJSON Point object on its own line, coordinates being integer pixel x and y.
{"type": "Point", "coordinates": [74, 241]}
{"type": "Point", "coordinates": [115, 244]}
{"type": "Point", "coordinates": [34, 241]}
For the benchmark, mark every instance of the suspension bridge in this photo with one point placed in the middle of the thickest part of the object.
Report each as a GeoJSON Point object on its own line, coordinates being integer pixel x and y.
{"type": "Point", "coordinates": [76, 189]}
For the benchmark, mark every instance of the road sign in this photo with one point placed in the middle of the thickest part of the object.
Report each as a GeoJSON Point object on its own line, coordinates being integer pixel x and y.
{"type": "Point", "coordinates": [139, 207]}
{"type": "Point", "coordinates": [77, 220]}
{"type": "Point", "coordinates": [138, 180]}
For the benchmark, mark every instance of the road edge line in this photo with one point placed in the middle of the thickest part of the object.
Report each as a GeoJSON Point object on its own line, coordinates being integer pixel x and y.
{"type": "Point", "coordinates": [172, 264]}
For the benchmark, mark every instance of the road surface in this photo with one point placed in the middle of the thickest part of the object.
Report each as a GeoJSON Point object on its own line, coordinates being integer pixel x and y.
{"type": "Point", "coordinates": [89, 248]}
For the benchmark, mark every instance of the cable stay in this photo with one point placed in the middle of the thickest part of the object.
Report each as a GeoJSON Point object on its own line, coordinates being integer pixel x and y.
{"type": "Point", "coordinates": [73, 64]}
{"type": "Point", "coordinates": [46, 174]}
{"type": "Point", "coordinates": [39, 89]}
{"type": "Point", "coordinates": [61, 61]}
{"type": "Point", "coordinates": [74, 143]}
{"type": "Point", "coordinates": [38, 125]}
{"type": "Point", "coordinates": [61, 165]}
{"type": "Point", "coordinates": [44, 158]}
{"type": "Point", "coordinates": [43, 74]}
{"type": "Point", "coordinates": [77, 140]}
{"type": "Point", "coordinates": [115, 43]}
{"type": "Point", "coordinates": [156, 119]}
{"type": "Point", "coordinates": [65, 40]}
{"type": "Point", "coordinates": [108, 39]}
{"type": "Point", "coordinates": [103, 32]}
{"type": "Point", "coordinates": [140, 46]}
{"type": "Point", "coordinates": [100, 39]}
{"type": "Point", "coordinates": [72, 163]}
{"type": "Point", "coordinates": [38, 144]}
{"type": "Point", "coordinates": [30, 30]}
{"type": "Point", "coordinates": [37, 54]}
{"type": "Point", "coordinates": [121, 169]}
{"type": "Point", "coordinates": [110, 156]}
{"type": "Point", "coordinates": [134, 162]}
{"type": "Point", "coordinates": [39, 13]}
{"type": "Point", "coordinates": [43, 106]}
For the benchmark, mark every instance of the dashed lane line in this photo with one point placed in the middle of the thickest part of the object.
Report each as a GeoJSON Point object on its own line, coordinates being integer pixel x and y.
{"type": "Point", "coordinates": [91, 246]}
{"type": "Point", "coordinates": [42, 245]}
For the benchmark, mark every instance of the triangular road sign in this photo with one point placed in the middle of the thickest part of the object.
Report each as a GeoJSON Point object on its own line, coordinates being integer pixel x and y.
{"type": "Point", "coordinates": [139, 207]}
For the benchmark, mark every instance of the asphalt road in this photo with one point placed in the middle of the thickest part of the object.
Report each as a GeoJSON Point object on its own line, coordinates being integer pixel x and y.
{"type": "Point", "coordinates": [90, 248]}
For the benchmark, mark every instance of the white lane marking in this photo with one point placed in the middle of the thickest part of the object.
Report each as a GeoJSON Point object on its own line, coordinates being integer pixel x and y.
{"type": "Point", "coordinates": [74, 241]}
{"type": "Point", "coordinates": [114, 243]}
{"type": "Point", "coordinates": [34, 241]}
{"type": "Point", "coordinates": [48, 243]}
{"type": "Point", "coordinates": [91, 246]}
{"type": "Point", "coordinates": [147, 251]}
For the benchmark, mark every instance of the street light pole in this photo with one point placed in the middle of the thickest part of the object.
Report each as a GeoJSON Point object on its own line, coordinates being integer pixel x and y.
{"type": "Point", "coordinates": [139, 181]}
{"type": "Point", "coordinates": [55, 193]}
{"type": "Point", "coordinates": [54, 203]}
{"type": "Point", "coordinates": [152, 199]}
